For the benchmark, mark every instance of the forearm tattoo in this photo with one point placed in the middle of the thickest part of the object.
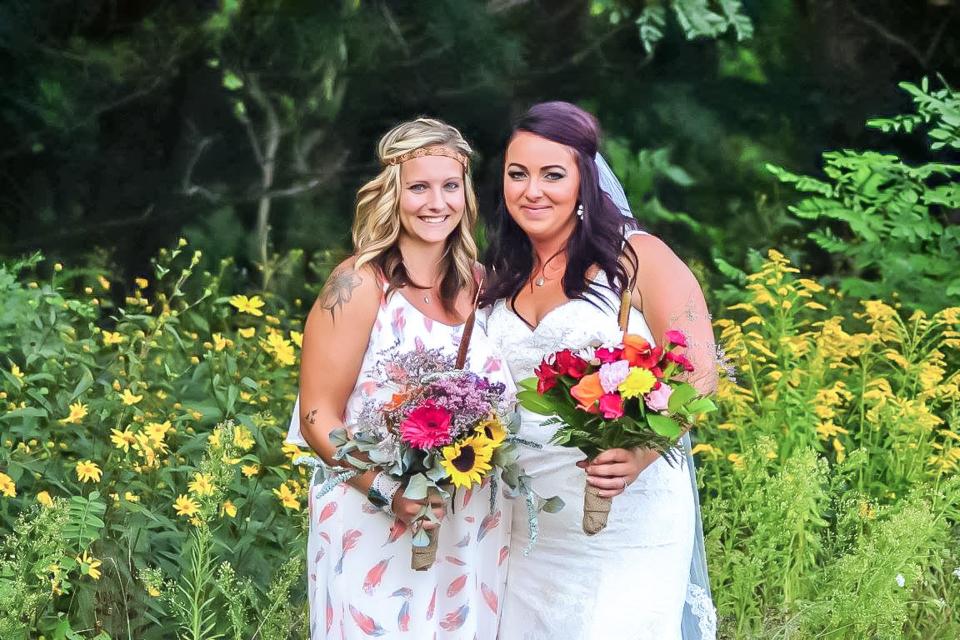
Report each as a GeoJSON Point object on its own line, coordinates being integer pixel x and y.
{"type": "Point", "coordinates": [338, 290]}
{"type": "Point", "coordinates": [310, 418]}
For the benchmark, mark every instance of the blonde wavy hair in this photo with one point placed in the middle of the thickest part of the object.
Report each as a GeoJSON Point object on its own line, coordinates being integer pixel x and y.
{"type": "Point", "coordinates": [376, 225]}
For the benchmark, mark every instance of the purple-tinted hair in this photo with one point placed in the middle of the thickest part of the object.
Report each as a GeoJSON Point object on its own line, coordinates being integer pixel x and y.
{"type": "Point", "coordinates": [597, 239]}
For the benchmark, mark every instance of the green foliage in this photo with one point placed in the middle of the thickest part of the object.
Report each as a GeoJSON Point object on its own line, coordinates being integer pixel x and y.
{"type": "Point", "coordinates": [830, 486]}
{"type": "Point", "coordinates": [696, 18]}
{"type": "Point", "coordinates": [110, 402]}
{"type": "Point", "coordinates": [886, 221]}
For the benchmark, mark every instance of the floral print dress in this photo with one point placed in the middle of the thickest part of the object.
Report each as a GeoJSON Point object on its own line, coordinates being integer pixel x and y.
{"type": "Point", "coordinates": [358, 560]}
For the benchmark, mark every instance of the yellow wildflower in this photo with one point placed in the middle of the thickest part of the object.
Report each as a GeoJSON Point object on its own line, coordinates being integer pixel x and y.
{"type": "Point", "coordinates": [186, 506]}
{"type": "Point", "coordinates": [15, 371]}
{"type": "Point", "coordinates": [292, 451]}
{"type": "Point", "coordinates": [129, 398]}
{"type": "Point", "coordinates": [44, 498]}
{"type": "Point", "coordinates": [78, 411]}
{"type": "Point", "coordinates": [701, 447]}
{"type": "Point", "coordinates": [129, 496]}
{"type": "Point", "coordinates": [250, 470]}
{"type": "Point", "coordinates": [104, 283]}
{"type": "Point", "coordinates": [287, 497]}
{"type": "Point", "coordinates": [827, 430]}
{"type": "Point", "coordinates": [840, 449]}
{"type": "Point", "coordinates": [201, 485]}
{"type": "Point", "coordinates": [737, 460]}
{"type": "Point", "coordinates": [280, 348]}
{"type": "Point", "coordinates": [7, 486]}
{"type": "Point", "coordinates": [249, 332]}
{"type": "Point", "coordinates": [243, 438]}
{"type": "Point", "coordinates": [113, 337]}
{"type": "Point", "coordinates": [122, 439]}
{"type": "Point", "coordinates": [247, 305]}
{"type": "Point", "coordinates": [158, 430]}
{"type": "Point", "coordinates": [89, 566]}
{"type": "Point", "coordinates": [273, 319]}
{"type": "Point", "coordinates": [229, 508]}
{"type": "Point", "coordinates": [152, 591]}
{"type": "Point", "coordinates": [142, 283]}
{"type": "Point", "coordinates": [88, 471]}
{"type": "Point", "coordinates": [220, 343]}
{"type": "Point", "coordinates": [297, 338]}
{"type": "Point", "coordinates": [638, 382]}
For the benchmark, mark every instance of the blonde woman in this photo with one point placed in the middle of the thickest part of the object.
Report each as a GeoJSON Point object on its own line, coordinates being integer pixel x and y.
{"type": "Point", "coordinates": [410, 284]}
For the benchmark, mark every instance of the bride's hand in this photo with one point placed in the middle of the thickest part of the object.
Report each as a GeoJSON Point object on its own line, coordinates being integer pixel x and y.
{"type": "Point", "coordinates": [613, 470]}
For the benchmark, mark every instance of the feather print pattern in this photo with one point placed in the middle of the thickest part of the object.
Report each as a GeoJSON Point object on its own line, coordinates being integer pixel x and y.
{"type": "Point", "coordinates": [489, 596]}
{"type": "Point", "coordinates": [327, 511]}
{"type": "Point", "coordinates": [365, 623]}
{"type": "Point", "coordinates": [489, 522]}
{"type": "Point", "coordinates": [361, 585]}
{"type": "Point", "coordinates": [453, 621]}
{"type": "Point", "coordinates": [456, 586]}
{"type": "Point", "coordinates": [375, 576]}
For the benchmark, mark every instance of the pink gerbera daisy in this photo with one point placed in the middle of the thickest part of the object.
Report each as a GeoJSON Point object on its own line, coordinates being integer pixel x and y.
{"type": "Point", "coordinates": [427, 426]}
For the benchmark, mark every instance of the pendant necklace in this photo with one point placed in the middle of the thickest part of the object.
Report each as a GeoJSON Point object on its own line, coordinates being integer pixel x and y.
{"type": "Point", "coordinates": [542, 278]}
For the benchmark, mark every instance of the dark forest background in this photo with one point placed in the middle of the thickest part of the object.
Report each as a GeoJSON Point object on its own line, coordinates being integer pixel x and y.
{"type": "Point", "coordinates": [247, 127]}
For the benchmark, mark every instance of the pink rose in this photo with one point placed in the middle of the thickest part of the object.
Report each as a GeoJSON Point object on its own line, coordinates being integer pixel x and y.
{"type": "Point", "coordinates": [658, 398]}
{"type": "Point", "coordinates": [676, 337]}
{"type": "Point", "coordinates": [611, 406]}
{"type": "Point", "coordinates": [612, 374]}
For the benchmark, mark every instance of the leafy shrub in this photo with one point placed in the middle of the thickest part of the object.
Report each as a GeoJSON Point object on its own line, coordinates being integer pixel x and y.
{"type": "Point", "coordinates": [886, 222]}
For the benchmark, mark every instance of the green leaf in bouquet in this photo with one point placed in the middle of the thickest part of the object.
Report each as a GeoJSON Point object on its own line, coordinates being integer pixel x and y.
{"type": "Point", "coordinates": [511, 476]}
{"type": "Point", "coordinates": [339, 437]}
{"type": "Point", "coordinates": [663, 426]}
{"type": "Point", "coordinates": [701, 405]}
{"type": "Point", "coordinates": [529, 384]}
{"type": "Point", "coordinates": [505, 455]}
{"type": "Point", "coordinates": [533, 401]}
{"type": "Point", "coordinates": [553, 505]}
{"type": "Point", "coordinates": [437, 472]}
{"type": "Point", "coordinates": [421, 538]}
{"type": "Point", "coordinates": [417, 487]}
{"type": "Point", "coordinates": [681, 395]}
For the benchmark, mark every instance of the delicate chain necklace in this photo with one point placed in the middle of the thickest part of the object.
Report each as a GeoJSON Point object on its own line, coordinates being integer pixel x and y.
{"type": "Point", "coordinates": [543, 277]}
{"type": "Point", "coordinates": [426, 296]}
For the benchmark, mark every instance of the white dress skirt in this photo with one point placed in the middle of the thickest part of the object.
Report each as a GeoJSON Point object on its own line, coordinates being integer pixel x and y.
{"type": "Point", "coordinates": [628, 582]}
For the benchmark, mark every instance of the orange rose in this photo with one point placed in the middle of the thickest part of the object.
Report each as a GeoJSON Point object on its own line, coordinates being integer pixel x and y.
{"type": "Point", "coordinates": [588, 391]}
{"type": "Point", "coordinates": [638, 352]}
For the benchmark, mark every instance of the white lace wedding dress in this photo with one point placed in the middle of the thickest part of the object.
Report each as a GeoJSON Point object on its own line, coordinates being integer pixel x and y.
{"type": "Point", "coordinates": [630, 581]}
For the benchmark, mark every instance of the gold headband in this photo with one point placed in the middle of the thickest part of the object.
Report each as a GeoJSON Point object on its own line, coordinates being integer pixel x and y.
{"type": "Point", "coordinates": [436, 150]}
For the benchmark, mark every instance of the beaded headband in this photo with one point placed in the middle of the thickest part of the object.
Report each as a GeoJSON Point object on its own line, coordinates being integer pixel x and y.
{"type": "Point", "coordinates": [436, 150]}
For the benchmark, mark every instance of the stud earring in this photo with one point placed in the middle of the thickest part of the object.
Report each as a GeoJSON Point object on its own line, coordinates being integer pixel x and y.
{"type": "Point", "coordinates": [580, 211]}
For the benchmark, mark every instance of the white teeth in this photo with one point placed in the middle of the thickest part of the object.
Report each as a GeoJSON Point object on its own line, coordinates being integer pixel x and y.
{"type": "Point", "coordinates": [434, 219]}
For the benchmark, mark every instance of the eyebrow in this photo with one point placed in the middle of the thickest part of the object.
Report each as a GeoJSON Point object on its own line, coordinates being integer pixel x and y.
{"type": "Point", "coordinates": [549, 166]}
{"type": "Point", "coordinates": [409, 182]}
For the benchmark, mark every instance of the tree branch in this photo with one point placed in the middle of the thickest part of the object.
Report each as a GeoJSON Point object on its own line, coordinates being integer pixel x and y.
{"type": "Point", "coordinates": [887, 35]}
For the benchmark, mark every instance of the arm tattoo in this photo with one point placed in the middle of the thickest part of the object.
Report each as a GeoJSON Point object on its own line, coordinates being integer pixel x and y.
{"type": "Point", "coordinates": [310, 418]}
{"type": "Point", "coordinates": [338, 290]}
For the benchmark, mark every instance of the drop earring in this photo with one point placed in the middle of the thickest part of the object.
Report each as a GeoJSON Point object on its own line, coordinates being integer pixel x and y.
{"type": "Point", "coordinates": [580, 211]}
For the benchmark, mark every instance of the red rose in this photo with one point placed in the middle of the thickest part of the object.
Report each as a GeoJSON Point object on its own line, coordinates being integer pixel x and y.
{"type": "Point", "coordinates": [680, 359]}
{"type": "Point", "coordinates": [546, 377]}
{"type": "Point", "coordinates": [676, 337]}
{"type": "Point", "coordinates": [569, 364]}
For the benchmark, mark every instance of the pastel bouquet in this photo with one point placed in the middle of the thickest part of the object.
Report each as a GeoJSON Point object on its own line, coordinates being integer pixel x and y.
{"type": "Point", "coordinates": [444, 429]}
{"type": "Point", "coordinates": [627, 395]}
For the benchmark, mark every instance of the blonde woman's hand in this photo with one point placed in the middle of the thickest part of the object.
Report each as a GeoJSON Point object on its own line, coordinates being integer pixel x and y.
{"type": "Point", "coordinates": [407, 510]}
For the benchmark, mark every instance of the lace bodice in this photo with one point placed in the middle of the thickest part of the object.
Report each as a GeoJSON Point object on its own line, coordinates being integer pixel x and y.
{"type": "Point", "coordinates": [573, 325]}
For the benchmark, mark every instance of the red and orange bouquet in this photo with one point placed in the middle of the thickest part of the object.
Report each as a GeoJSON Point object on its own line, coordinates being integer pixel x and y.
{"type": "Point", "coordinates": [628, 395]}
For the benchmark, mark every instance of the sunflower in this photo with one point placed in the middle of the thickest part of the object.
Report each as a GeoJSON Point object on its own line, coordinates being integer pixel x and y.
{"type": "Point", "coordinates": [468, 461]}
{"type": "Point", "coordinates": [493, 430]}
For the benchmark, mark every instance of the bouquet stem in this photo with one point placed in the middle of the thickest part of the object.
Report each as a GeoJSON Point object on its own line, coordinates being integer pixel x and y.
{"type": "Point", "coordinates": [422, 558]}
{"type": "Point", "coordinates": [596, 510]}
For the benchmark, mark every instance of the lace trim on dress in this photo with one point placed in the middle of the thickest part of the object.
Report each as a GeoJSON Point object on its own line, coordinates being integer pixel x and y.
{"type": "Point", "coordinates": [702, 607]}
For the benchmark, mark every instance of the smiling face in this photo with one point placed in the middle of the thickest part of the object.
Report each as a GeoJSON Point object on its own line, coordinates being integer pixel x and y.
{"type": "Point", "coordinates": [541, 185]}
{"type": "Point", "coordinates": [432, 199]}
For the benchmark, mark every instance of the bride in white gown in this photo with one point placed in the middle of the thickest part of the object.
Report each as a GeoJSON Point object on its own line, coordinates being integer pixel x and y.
{"type": "Point", "coordinates": [561, 254]}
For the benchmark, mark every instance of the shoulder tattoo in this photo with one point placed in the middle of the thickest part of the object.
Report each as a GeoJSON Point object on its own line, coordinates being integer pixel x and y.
{"type": "Point", "coordinates": [339, 289]}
